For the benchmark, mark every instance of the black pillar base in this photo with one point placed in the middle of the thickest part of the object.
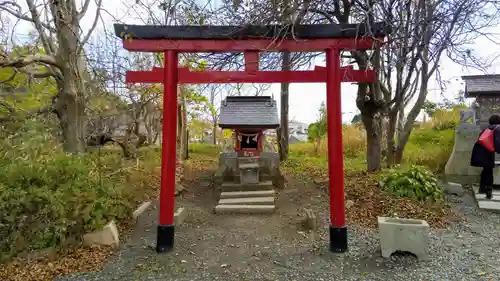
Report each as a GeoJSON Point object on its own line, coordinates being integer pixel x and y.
{"type": "Point", "coordinates": [165, 238]}
{"type": "Point", "coordinates": [338, 239]}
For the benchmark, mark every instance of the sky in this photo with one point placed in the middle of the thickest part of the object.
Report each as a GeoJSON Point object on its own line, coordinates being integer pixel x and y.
{"type": "Point", "coordinates": [305, 99]}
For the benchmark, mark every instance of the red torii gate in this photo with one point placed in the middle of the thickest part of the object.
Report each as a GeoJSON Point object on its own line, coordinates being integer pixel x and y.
{"type": "Point", "coordinates": [327, 38]}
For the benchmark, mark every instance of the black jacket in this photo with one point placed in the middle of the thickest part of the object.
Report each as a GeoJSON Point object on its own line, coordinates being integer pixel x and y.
{"type": "Point", "coordinates": [483, 158]}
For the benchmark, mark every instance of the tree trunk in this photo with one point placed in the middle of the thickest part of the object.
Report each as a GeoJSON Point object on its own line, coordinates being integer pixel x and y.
{"type": "Point", "coordinates": [214, 133]}
{"type": "Point", "coordinates": [370, 116]}
{"type": "Point", "coordinates": [391, 144]}
{"type": "Point", "coordinates": [424, 81]}
{"type": "Point", "coordinates": [283, 144]}
{"type": "Point", "coordinates": [155, 138]}
{"type": "Point", "coordinates": [373, 143]}
{"type": "Point", "coordinates": [70, 104]}
{"type": "Point", "coordinates": [179, 123]}
{"type": "Point", "coordinates": [183, 133]}
{"type": "Point", "coordinates": [317, 145]}
{"type": "Point", "coordinates": [186, 146]}
{"type": "Point", "coordinates": [70, 109]}
{"type": "Point", "coordinates": [150, 138]}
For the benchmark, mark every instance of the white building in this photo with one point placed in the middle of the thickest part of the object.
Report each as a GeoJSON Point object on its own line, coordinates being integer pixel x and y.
{"type": "Point", "coordinates": [297, 131]}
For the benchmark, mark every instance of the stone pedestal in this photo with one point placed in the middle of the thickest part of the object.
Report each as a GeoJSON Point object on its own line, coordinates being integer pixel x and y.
{"type": "Point", "coordinates": [229, 162]}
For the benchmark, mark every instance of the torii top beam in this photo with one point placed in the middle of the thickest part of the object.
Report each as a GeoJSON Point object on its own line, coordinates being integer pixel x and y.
{"type": "Point", "coordinates": [277, 38]}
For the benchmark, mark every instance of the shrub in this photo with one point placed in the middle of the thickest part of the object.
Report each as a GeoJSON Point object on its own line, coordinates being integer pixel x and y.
{"type": "Point", "coordinates": [417, 182]}
{"type": "Point", "coordinates": [49, 198]}
{"type": "Point", "coordinates": [205, 149]}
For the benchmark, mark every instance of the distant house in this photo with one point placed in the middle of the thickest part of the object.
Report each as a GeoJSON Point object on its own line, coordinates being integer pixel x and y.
{"type": "Point", "coordinates": [297, 131]}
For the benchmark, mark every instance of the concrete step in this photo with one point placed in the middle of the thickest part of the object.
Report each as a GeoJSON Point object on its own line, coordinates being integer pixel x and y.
{"type": "Point", "coordinates": [263, 185]}
{"type": "Point", "coordinates": [496, 197]}
{"type": "Point", "coordinates": [489, 205]}
{"type": "Point", "coordinates": [247, 201]}
{"type": "Point", "coordinates": [492, 204]}
{"type": "Point", "coordinates": [248, 158]}
{"type": "Point", "coordinates": [247, 194]}
{"type": "Point", "coordinates": [262, 177]}
{"type": "Point", "coordinates": [249, 166]}
{"type": "Point", "coordinates": [244, 209]}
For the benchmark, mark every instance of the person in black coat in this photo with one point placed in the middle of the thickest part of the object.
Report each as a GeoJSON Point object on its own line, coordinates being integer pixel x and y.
{"type": "Point", "coordinates": [485, 159]}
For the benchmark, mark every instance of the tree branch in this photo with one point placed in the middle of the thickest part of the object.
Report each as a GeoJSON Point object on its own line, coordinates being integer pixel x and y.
{"type": "Point", "coordinates": [18, 14]}
{"type": "Point", "coordinates": [94, 24]}
{"type": "Point", "coordinates": [39, 74]}
{"type": "Point", "coordinates": [24, 61]}
{"type": "Point", "coordinates": [28, 114]}
{"type": "Point", "coordinates": [85, 7]}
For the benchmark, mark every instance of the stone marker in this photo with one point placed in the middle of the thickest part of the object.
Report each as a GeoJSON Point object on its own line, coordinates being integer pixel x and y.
{"type": "Point", "coordinates": [466, 134]}
{"type": "Point", "coordinates": [407, 235]}
{"type": "Point", "coordinates": [179, 216]}
{"type": "Point", "coordinates": [310, 221]}
{"type": "Point", "coordinates": [349, 204]}
{"type": "Point", "coordinates": [107, 236]}
{"type": "Point", "coordinates": [454, 188]}
{"type": "Point", "coordinates": [141, 209]}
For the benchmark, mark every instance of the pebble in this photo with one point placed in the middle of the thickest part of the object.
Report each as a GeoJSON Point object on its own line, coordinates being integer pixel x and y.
{"type": "Point", "coordinates": [467, 250]}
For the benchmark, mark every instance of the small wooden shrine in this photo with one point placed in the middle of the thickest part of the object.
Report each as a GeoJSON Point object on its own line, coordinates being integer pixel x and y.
{"type": "Point", "coordinates": [248, 117]}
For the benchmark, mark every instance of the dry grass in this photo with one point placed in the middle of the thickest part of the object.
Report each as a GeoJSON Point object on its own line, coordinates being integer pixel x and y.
{"type": "Point", "coordinates": [430, 145]}
{"type": "Point", "coordinates": [353, 140]}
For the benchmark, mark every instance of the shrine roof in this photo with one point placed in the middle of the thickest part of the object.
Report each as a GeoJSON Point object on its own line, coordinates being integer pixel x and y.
{"type": "Point", "coordinates": [258, 112]}
{"type": "Point", "coordinates": [202, 32]}
{"type": "Point", "coordinates": [477, 85]}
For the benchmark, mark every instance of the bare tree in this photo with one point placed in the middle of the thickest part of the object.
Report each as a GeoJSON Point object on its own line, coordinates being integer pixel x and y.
{"type": "Point", "coordinates": [423, 30]}
{"type": "Point", "coordinates": [63, 60]}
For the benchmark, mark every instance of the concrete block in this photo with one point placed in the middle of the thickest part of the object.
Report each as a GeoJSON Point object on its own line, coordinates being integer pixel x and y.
{"type": "Point", "coordinates": [454, 188]}
{"type": "Point", "coordinates": [247, 201]}
{"type": "Point", "coordinates": [407, 235]}
{"type": "Point", "coordinates": [107, 236]}
{"type": "Point", "coordinates": [141, 209]}
{"type": "Point", "coordinates": [247, 194]}
{"type": "Point", "coordinates": [244, 209]}
{"type": "Point", "coordinates": [180, 215]}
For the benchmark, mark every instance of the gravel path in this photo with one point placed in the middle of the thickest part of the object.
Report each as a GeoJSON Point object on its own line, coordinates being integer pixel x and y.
{"type": "Point", "coordinates": [258, 248]}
